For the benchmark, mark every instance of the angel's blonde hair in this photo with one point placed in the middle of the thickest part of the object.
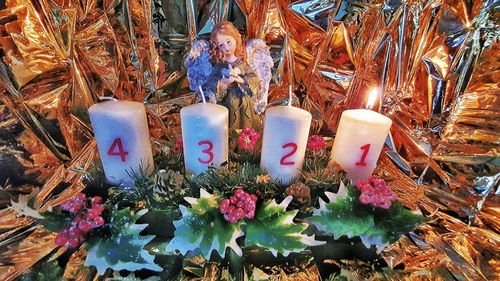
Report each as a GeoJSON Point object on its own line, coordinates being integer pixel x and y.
{"type": "Point", "coordinates": [227, 28]}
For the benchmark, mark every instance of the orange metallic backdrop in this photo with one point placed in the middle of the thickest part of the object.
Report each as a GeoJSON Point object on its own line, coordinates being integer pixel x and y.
{"type": "Point", "coordinates": [434, 61]}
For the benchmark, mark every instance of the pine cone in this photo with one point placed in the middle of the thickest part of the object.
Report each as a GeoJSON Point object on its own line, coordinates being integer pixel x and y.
{"type": "Point", "coordinates": [300, 192]}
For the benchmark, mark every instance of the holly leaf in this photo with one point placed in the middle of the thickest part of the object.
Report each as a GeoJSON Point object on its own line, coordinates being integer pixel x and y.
{"type": "Point", "coordinates": [273, 229]}
{"type": "Point", "coordinates": [338, 217]}
{"type": "Point", "coordinates": [54, 222]}
{"type": "Point", "coordinates": [125, 249]}
{"type": "Point", "coordinates": [27, 205]}
{"type": "Point", "coordinates": [345, 215]}
{"type": "Point", "coordinates": [203, 228]}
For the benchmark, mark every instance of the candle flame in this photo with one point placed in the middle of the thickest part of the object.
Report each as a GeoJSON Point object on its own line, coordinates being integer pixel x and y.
{"type": "Point", "coordinates": [372, 98]}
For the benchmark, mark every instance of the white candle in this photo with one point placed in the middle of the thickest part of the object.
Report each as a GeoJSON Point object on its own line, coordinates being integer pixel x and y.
{"type": "Point", "coordinates": [204, 136]}
{"type": "Point", "coordinates": [359, 140]}
{"type": "Point", "coordinates": [286, 129]}
{"type": "Point", "coordinates": [122, 136]}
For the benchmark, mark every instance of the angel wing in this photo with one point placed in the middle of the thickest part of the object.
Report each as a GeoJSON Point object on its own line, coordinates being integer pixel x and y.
{"type": "Point", "coordinates": [259, 58]}
{"type": "Point", "coordinates": [199, 67]}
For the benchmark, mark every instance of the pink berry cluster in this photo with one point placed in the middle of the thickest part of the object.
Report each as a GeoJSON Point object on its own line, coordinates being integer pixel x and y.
{"type": "Point", "coordinates": [248, 138]}
{"type": "Point", "coordinates": [316, 143]}
{"type": "Point", "coordinates": [375, 192]}
{"type": "Point", "coordinates": [240, 205]}
{"type": "Point", "coordinates": [87, 218]}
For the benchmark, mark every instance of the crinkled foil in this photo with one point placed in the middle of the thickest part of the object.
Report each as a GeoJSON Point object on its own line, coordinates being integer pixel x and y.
{"type": "Point", "coordinates": [434, 61]}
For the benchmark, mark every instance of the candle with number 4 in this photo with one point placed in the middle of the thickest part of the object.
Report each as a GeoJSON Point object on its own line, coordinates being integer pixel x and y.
{"type": "Point", "coordinates": [359, 140]}
{"type": "Point", "coordinates": [286, 129]}
{"type": "Point", "coordinates": [204, 136]}
{"type": "Point", "coordinates": [122, 136]}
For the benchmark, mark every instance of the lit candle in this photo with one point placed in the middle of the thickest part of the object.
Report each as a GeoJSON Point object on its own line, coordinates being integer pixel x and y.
{"type": "Point", "coordinates": [286, 129]}
{"type": "Point", "coordinates": [359, 140]}
{"type": "Point", "coordinates": [122, 136]}
{"type": "Point", "coordinates": [204, 135]}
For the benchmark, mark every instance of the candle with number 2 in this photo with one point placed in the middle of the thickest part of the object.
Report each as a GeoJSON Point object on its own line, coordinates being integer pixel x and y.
{"type": "Point", "coordinates": [204, 136]}
{"type": "Point", "coordinates": [359, 140]}
{"type": "Point", "coordinates": [286, 129]}
{"type": "Point", "coordinates": [122, 136]}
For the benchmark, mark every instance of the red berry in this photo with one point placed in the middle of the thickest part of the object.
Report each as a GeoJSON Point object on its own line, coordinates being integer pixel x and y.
{"type": "Point", "coordinates": [61, 239]}
{"type": "Point", "coordinates": [253, 197]}
{"type": "Point", "coordinates": [239, 214]}
{"type": "Point", "coordinates": [245, 197]}
{"type": "Point", "coordinates": [233, 199]}
{"type": "Point", "coordinates": [250, 207]}
{"type": "Point", "coordinates": [223, 205]}
{"type": "Point", "coordinates": [92, 214]}
{"type": "Point", "coordinates": [96, 200]}
{"type": "Point", "coordinates": [239, 192]}
{"type": "Point", "coordinates": [73, 243]}
{"type": "Point", "coordinates": [84, 226]}
{"type": "Point", "coordinates": [98, 208]}
{"type": "Point", "coordinates": [97, 222]}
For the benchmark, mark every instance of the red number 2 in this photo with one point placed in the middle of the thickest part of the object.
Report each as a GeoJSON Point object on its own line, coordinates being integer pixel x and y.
{"type": "Point", "coordinates": [283, 160]}
{"type": "Point", "coordinates": [116, 149]}
{"type": "Point", "coordinates": [207, 151]}
{"type": "Point", "coordinates": [365, 149]}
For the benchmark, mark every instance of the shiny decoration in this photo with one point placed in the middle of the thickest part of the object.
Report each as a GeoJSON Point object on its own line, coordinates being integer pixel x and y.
{"type": "Point", "coordinates": [435, 61]}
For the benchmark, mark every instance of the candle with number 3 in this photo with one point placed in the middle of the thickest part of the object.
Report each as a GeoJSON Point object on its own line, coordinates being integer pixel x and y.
{"type": "Point", "coordinates": [122, 136]}
{"type": "Point", "coordinates": [204, 136]}
{"type": "Point", "coordinates": [286, 129]}
{"type": "Point", "coordinates": [359, 140]}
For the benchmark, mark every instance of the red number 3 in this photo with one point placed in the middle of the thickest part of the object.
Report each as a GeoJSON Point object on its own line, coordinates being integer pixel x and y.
{"type": "Point", "coordinates": [207, 151]}
{"type": "Point", "coordinates": [365, 149]}
{"type": "Point", "coordinates": [116, 149]}
{"type": "Point", "coordinates": [283, 160]}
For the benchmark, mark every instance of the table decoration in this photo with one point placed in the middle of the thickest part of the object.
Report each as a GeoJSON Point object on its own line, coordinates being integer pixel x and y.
{"type": "Point", "coordinates": [435, 72]}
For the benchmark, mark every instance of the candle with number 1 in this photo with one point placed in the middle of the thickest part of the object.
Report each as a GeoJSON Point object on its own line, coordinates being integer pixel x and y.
{"type": "Point", "coordinates": [286, 129]}
{"type": "Point", "coordinates": [204, 136]}
{"type": "Point", "coordinates": [122, 136]}
{"type": "Point", "coordinates": [359, 140]}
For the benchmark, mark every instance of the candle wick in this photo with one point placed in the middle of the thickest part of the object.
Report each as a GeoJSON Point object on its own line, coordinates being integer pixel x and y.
{"type": "Point", "coordinates": [103, 98]}
{"type": "Point", "coordinates": [290, 95]}
{"type": "Point", "coordinates": [202, 94]}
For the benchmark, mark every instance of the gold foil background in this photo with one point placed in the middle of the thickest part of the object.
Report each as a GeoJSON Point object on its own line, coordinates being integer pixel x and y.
{"type": "Point", "coordinates": [435, 63]}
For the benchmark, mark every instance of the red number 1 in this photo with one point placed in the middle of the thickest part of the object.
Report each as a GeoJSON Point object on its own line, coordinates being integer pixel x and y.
{"type": "Point", "coordinates": [207, 151]}
{"type": "Point", "coordinates": [283, 160]}
{"type": "Point", "coordinates": [116, 149]}
{"type": "Point", "coordinates": [365, 149]}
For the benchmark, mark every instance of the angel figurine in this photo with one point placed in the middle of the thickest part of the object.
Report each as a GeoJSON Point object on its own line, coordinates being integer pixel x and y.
{"type": "Point", "coordinates": [239, 77]}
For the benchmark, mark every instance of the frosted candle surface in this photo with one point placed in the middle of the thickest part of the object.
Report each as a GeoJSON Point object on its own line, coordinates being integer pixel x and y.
{"type": "Point", "coordinates": [122, 136]}
{"type": "Point", "coordinates": [286, 130]}
{"type": "Point", "coordinates": [204, 136]}
{"type": "Point", "coordinates": [359, 140]}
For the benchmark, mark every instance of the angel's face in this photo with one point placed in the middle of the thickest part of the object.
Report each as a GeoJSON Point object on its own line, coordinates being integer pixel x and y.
{"type": "Point", "coordinates": [226, 44]}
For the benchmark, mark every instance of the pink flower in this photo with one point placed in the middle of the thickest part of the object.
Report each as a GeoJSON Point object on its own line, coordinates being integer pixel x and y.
{"type": "Point", "coordinates": [178, 143]}
{"type": "Point", "coordinates": [375, 192]}
{"type": "Point", "coordinates": [316, 143]}
{"type": "Point", "coordinates": [248, 138]}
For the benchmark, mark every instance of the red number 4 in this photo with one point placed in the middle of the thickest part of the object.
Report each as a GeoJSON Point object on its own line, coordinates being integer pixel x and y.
{"type": "Point", "coordinates": [116, 149]}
